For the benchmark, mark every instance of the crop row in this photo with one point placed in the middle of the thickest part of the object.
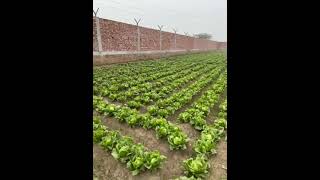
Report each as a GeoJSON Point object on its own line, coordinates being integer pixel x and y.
{"type": "Point", "coordinates": [168, 106]}
{"type": "Point", "coordinates": [113, 88]}
{"type": "Point", "coordinates": [197, 167]}
{"type": "Point", "coordinates": [144, 84]}
{"type": "Point", "coordinates": [134, 68]}
{"type": "Point", "coordinates": [128, 69]}
{"type": "Point", "coordinates": [123, 81]}
{"type": "Point", "coordinates": [133, 81]}
{"type": "Point", "coordinates": [164, 129]}
{"type": "Point", "coordinates": [161, 92]}
{"type": "Point", "coordinates": [175, 136]}
{"type": "Point", "coordinates": [151, 93]}
{"type": "Point", "coordinates": [195, 115]}
{"type": "Point", "coordinates": [102, 77]}
{"type": "Point", "coordinates": [122, 148]}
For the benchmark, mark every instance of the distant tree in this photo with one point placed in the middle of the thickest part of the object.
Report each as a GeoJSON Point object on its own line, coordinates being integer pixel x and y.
{"type": "Point", "coordinates": [203, 36]}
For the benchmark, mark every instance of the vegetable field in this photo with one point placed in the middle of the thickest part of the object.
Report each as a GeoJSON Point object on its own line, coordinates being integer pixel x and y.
{"type": "Point", "coordinates": [161, 119]}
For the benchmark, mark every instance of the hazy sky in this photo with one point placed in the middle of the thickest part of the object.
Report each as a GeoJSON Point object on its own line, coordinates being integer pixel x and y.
{"type": "Point", "coordinates": [191, 16]}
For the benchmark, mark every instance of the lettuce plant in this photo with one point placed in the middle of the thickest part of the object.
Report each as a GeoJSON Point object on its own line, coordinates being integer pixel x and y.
{"type": "Point", "coordinates": [184, 117]}
{"type": "Point", "coordinates": [198, 121]}
{"type": "Point", "coordinates": [109, 141]}
{"type": "Point", "coordinates": [136, 163]}
{"type": "Point", "coordinates": [153, 110]}
{"type": "Point", "coordinates": [197, 167]}
{"type": "Point", "coordinates": [123, 113]}
{"type": "Point", "coordinates": [133, 120]}
{"type": "Point", "coordinates": [204, 146]}
{"type": "Point", "coordinates": [154, 160]}
{"type": "Point", "coordinates": [98, 134]}
{"type": "Point", "coordinates": [134, 104]}
{"type": "Point", "coordinates": [123, 149]}
{"type": "Point", "coordinates": [177, 140]}
{"type": "Point", "coordinates": [162, 131]}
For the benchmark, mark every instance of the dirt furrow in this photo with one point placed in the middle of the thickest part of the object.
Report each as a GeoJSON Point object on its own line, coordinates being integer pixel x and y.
{"type": "Point", "coordinates": [105, 166]}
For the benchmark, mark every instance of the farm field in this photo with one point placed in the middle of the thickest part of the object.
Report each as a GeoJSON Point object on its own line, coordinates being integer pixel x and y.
{"type": "Point", "coordinates": [161, 119]}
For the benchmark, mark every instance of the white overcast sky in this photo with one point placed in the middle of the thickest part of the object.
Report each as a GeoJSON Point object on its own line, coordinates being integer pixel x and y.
{"type": "Point", "coordinates": [191, 16]}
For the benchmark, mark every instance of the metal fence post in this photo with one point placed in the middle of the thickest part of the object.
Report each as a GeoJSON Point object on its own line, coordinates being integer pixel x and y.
{"type": "Point", "coordinates": [175, 39]}
{"type": "Point", "coordinates": [98, 32]}
{"type": "Point", "coordinates": [138, 33]}
{"type": "Point", "coordinates": [186, 34]}
{"type": "Point", "coordinates": [160, 28]}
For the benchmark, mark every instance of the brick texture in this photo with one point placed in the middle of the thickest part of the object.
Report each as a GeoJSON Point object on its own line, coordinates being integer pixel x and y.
{"type": "Point", "coordinates": [94, 31]}
{"type": "Point", "coordinates": [118, 36]}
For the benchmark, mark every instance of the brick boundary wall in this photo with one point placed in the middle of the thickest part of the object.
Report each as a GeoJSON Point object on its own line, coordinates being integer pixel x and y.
{"type": "Point", "coordinates": [120, 44]}
{"type": "Point", "coordinates": [118, 36]}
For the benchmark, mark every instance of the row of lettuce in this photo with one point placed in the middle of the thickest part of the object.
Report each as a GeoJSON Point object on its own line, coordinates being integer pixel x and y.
{"type": "Point", "coordinates": [154, 118]}
{"type": "Point", "coordinates": [175, 136]}
{"type": "Point", "coordinates": [167, 106]}
{"type": "Point", "coordinates": [112, 80]}
{"type": "Point", "coordinates": [197, 167]}
{"type": "Point", "coordinates": [147, 87]}
{"type": "Point", "coordinates": [157, 88]}
{"type": "Point", "coordinates": [152, 82]}
{"type": "Point", "coordinates": [136, 156]}
{"type": "Point", "coordinates": [113, 72]}
{"type": "Point", "coordinates": [199, 110]}
{"type": "Point", "coordinates": [139, 159]}
{"type": "Point", "coordinates": [151, 91]}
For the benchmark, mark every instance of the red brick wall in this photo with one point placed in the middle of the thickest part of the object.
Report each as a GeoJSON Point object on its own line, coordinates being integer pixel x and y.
{"type": "Point", "coordinates": [167, 41]}
{"type": "Point", "coordinates": [95, 42]}
{"type": "Point", "coordinates": [184, 42]}
{"type": "Point", "coordinates": [222, 45]}
{"type": "Point", "coordinates": [117, 36]}
{"type": "Point", "coordinates": [149, 39]}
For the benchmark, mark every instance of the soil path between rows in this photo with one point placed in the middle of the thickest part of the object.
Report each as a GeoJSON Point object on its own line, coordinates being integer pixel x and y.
{"type": "Point", "coordinates": [106, 167]}
{"type": "Point", "coordinates": [218, 163]}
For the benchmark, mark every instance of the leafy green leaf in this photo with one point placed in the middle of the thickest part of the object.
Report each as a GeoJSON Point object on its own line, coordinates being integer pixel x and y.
{"type": "Point", "coordinates": [197, 167]}
{"type": "Point", "coordinates": [154, 160]}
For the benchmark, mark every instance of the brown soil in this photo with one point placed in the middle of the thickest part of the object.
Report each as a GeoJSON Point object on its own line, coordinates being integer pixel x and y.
{"type": "Point", "coordinates": [113, 102]}
{"type": "Point", "coordinates": [106, 167]}
{"type": "Point", "coordinates": [219, 162]}
{"type": "Point", "coordinates": [143, 109]}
